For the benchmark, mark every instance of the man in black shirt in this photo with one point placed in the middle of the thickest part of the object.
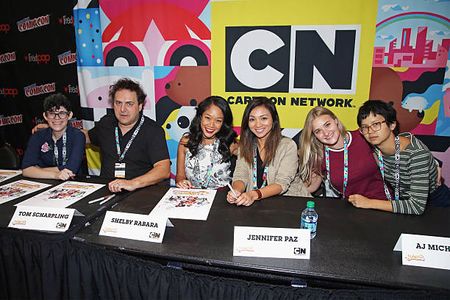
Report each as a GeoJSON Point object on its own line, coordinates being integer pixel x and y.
{"type": "Point", "coordinates": [133, 147]}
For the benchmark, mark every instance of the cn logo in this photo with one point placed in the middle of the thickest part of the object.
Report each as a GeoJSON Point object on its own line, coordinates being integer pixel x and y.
{"type": "Point", "coordinates": [310, 59]}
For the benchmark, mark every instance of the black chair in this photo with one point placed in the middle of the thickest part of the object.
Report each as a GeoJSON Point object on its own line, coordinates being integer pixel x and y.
{"type": "Point", "coordinates": [8, 157]}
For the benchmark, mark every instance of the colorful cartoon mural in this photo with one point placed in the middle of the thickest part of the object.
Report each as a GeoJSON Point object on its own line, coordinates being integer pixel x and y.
{"type": "Point", "coordinates": [138, 39]}
{"type": "Point", "coordinates": [166, 45]}
{"type": "Point", "coordinates": [413, 39]}
{"type": "Point", "coordinates": [410, 69]}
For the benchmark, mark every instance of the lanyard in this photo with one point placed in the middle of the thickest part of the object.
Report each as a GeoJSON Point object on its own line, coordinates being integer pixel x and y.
{"type": "Point", "coordinates": [209, 171]}
{"type": "Point", "coordinates": [327, 164]}
{"type": "Point", "coordinates": [136, 131]}
{"type": "Point", "coordinates": [64, 151]}
{"type": "Point", "coordinates": [264, 175]}
{"type": "Point", "coordinates": [397, 169]}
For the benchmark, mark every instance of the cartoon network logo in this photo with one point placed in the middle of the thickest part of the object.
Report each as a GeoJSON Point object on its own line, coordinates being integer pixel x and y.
{"type": "Point", "coordinates": [67, 58]}
{"type": "Point", "coordinates": [5, 27]}
{"type": "Point", "coordinates": [71, 89]}
{"type": "Point", "coordinates": [7, 57]}
{"type": "Point", "coordinates": [320, 59]}
{"type": "Point", "coordinates": [34, 90]}
{"type": "Point", "coordinates": [66, 20]}
{"type": "Point", "coordinates": [10, 120]}
{"type": "Point", "coordinates": [13, 92]}
{"type": "Point", "coordinates": [38, 58]}
{"type": "Point", "coordinates": [30, 24]}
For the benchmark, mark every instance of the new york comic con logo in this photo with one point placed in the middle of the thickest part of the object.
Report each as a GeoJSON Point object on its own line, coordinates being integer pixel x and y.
{"type": "Point", "coordinates": [34, 90]}
{"type": "Point", "coordinates": [320, 59]}
{"type": "Point", "coordinates": [67, 58]}
{"type": "Point", "coordinates": [30, 24]}
{"type": "Point", "coordinates": [7, 57]}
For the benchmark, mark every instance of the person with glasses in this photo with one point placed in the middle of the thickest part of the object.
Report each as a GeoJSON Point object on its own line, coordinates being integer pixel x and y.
{"type": "Point", "coordinates": [267, 163]}
{"type": "Point", "coordinates": [205, 153]}
{"type": "Point", "coordinates": [404, 161]}
{"type": "Point", "coordinates": [341, 159]}
{"type": "Point", "coordinates": [132, 146]}
{"type": "Point", "coordinates": [57, 151]}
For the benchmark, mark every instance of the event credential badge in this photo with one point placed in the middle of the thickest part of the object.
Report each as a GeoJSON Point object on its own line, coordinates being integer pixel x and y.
{"type": "Point", "coordinates": [119, 170]}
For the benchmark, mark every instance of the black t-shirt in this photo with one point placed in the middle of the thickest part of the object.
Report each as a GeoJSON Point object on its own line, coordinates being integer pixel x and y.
{"type": "Point", "coordinates": [259, 169]}
{"type": "Point", "coordinates": [148, 147]}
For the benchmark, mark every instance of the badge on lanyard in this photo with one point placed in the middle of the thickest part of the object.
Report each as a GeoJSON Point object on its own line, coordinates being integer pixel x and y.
{"type": "Point", "coordinates": [119, 167]}
{"type": "Point", "coordinates": [119, 170]}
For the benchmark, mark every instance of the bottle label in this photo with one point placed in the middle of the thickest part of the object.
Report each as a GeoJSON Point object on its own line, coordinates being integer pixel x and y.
{"type": "Point", "coordinates": [310, 225]}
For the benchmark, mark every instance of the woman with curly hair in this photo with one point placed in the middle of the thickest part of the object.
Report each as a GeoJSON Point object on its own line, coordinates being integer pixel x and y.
{"type": "Point", "coordinates": [204, 154]}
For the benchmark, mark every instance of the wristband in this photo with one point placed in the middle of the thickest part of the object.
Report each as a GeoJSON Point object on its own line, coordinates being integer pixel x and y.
{"type": "Point", "coordinates": [259, 194]}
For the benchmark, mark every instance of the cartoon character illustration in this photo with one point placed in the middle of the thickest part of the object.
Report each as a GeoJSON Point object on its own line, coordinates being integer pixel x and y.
{"type": "Point", "coordinates": [181, 124]}
{"type": "Point", "coordinates": [142, 42]}
{"type": "Point", "coordinates": [94, 83]}
{"type": "Point", "coordinates": [183, 86]}
{"type": "Point", "coordinates": [415, 103]}
{"type": "Point", "coordinates": [386, 85]}
{"type": "Point", "coordinates": [175, 126]}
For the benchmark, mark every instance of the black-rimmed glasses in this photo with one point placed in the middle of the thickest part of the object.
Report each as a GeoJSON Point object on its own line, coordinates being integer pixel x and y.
{"type": "Point", "coordinates": [57, 115]}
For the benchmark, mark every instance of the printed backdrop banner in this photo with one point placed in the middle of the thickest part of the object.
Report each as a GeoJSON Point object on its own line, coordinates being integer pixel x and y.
{"type": "Point", "coordinates": [301, 54]}
{"type": "Point", "coordinates": [37, 58]}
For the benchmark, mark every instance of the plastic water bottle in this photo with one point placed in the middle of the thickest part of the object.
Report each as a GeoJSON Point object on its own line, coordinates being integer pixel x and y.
{"type": "Point", "coordinates": [309, 218]}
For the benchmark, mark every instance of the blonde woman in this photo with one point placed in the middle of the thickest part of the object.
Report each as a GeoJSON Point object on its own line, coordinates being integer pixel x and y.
{"type": "Point", "coordinates": [341, 158]}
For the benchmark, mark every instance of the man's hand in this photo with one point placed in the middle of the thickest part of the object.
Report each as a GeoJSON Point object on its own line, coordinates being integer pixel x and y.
{"type": "Point", "coordinates": [119, 185]}
{"type": "Point", "coordinates": [39, 127]}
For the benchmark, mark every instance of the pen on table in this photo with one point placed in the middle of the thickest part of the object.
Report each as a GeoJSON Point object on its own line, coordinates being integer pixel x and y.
{"type": "Point", "coordinates": [108, 198]}
{"type": "Point", "coordinates": [101, 199]}
{"type": "Point", "coordinates": [232, 190]}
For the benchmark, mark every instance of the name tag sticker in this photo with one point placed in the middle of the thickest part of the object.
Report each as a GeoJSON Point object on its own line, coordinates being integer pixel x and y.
{"type": "Point", "coordinates": [424, 251]}
{"type": "Point", "coordinates": [134, 226]}
{"type": "Point", "coordinates": [271, 242]}
{"type": "Point", "coordinates": [42, 218]}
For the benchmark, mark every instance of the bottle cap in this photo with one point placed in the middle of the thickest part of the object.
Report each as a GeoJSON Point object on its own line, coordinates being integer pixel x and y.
{"type": "Point", "coordinates": [310, 204]}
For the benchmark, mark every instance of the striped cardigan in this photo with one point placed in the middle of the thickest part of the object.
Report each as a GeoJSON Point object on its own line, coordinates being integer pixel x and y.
{"type": "Point", "coordinates": [418, 174]}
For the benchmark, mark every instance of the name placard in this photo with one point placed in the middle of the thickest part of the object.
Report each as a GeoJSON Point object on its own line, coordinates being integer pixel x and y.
{"type": "Point", "coordinates": [271, 242]}
{"type": "Point", "coordinates": [134, 226]}
{"type": "Point", "coordinates": [424, 251]}
{"type": "Point", "coordinates": [42, 218]}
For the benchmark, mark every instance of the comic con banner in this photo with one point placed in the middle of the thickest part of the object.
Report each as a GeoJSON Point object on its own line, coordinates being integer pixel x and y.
{"type": "Point", "coordinates": [37, 58]}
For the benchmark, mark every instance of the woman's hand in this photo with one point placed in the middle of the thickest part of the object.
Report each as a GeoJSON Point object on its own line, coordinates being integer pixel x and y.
{"type": "Point", "coordinates": [245, 199]}
{"type": "Point", "coordinates": [184, 184]}
{"type": "Point", "coordinates": [232, 197]}
{"type": "Point", "coordinates": [359, 201]}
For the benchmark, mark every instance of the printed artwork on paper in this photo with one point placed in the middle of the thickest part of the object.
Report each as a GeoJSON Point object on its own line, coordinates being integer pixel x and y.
{"type": "Point", "coordinates": [192, 204]}
{"type": "Point", "coordinates": [63, 195]}
{"type": "Point", "coordinates": [18, 189]}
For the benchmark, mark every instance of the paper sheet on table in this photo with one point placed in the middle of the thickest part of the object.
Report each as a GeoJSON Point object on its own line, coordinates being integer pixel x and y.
{"type": "Point", "coordinates": [18, 189]}
{"type": "Point", "coordinates": [7, 174]}
{"type": "Point", "coordinates": [191, 204]}
{"type": "Point", "coordinates": [63, 195]}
